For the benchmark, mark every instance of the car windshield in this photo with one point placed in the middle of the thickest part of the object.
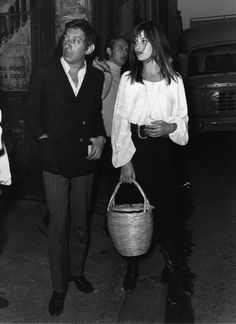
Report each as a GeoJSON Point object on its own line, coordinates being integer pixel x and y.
{"type": "Point", "coordinates": [212, 60]}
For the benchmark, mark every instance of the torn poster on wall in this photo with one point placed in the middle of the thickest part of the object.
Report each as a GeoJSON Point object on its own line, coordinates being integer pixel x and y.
{"type": "Point", "coordinates": [15, 45]}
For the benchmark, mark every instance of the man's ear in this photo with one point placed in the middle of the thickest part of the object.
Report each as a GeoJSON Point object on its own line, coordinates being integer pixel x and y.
{"type": "Point", "coordinates": [108, 50]}
{"type": "Point", "coordinates": [90, 49]}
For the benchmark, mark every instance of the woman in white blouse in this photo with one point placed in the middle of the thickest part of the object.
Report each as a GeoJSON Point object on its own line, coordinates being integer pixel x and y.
{"type": "Point", "coordinates": [150, 119]}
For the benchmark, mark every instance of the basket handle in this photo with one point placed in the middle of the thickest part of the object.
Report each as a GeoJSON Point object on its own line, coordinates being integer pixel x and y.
{"type": "Point", "coordinates": [112, 199]}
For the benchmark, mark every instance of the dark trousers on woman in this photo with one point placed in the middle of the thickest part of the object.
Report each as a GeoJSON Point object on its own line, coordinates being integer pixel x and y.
{"type": "Point", "coordinates": [155, 165]}
{"type": "Point", "coordinates": [68, 202]}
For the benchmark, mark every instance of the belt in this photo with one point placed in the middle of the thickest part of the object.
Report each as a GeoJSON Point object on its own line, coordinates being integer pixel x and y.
{"type": "Point", "coordinates": [139, 130]}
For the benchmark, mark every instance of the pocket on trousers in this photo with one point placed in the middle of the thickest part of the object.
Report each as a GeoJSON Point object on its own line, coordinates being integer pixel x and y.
{"type": "Point", "coordinates": [48, 154]}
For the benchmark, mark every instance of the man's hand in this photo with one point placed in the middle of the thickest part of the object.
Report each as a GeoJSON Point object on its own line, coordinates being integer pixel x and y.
{"type": "Point", "coordinates": [160, 128]}
{"type": "Point", "coordinates": [127, 173]}
{"type": "Point", "coordinates": [96, 147]}
{"type": "Point", "coordinates": [101, 65]}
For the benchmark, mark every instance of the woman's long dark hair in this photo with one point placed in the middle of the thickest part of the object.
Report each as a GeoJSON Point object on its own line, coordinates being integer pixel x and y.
{"type": "Point", "coordinates": [161, 51]}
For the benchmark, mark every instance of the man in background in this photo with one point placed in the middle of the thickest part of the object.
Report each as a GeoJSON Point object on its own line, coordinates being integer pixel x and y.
{"type": "Point", "coordinates": [116, 55]}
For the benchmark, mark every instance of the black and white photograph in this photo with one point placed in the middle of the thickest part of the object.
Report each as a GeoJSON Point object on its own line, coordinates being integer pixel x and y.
{"type": "Point", "coordinates": [118, 161]}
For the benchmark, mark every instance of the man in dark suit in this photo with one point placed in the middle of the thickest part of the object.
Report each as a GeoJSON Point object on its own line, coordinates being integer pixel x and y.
{"type": "Point", "coordinates": [64, 116]}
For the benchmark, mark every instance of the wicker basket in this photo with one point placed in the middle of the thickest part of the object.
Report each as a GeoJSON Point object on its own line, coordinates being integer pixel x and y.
{"type": "Point", "coordinates": [130, 225]}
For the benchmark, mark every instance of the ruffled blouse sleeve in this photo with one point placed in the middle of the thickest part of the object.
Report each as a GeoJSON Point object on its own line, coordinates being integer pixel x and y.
{"type": "Point", "coordinates": [179, 114]}
{"type": "Point", "coordinates": [122, 144]}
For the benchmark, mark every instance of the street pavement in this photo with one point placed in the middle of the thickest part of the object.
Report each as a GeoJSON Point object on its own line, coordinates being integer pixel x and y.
{"type": "Point", "coordinates": [204, 290]}
{"type": "Point", "coordinates": [26, 283]}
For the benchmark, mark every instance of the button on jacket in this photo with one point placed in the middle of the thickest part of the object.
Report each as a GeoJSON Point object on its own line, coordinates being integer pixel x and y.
{"type": "Point", "coordinates": [68, 120]}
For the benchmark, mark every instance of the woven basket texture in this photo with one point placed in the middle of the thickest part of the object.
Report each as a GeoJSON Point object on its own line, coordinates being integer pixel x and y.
{"type": "Point", "coordinates": [130, 225]}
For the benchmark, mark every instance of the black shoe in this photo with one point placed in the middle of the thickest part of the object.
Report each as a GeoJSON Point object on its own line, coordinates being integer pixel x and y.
{"type": "Point", "coordinates": [131, 276]}
{"type": "Point", "coordinates": [83, 284]}
{"type": "Point", "coordinates": [56, 304]}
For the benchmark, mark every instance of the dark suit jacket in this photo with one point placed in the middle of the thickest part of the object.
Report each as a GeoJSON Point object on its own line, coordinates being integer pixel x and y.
{"type": "Point", "coordinates": [68, 121]}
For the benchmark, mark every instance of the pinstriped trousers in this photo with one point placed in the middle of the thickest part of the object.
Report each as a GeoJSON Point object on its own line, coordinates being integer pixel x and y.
{"type": "Point", "coordinates": [68, 202]}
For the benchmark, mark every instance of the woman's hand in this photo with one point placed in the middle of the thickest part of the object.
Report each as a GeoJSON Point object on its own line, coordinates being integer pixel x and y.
{"type": "Point", "coordinates": [127, 173]}
{"type": "Point", "coordinates": [160, 128]}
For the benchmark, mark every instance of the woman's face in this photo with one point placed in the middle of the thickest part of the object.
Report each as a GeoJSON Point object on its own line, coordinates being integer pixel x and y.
{"type": "Point", "coordinates": [142, 47]}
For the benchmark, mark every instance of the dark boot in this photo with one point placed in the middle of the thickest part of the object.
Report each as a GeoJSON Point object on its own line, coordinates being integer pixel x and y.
{"type": "Point", "coordinates": [132, 275]}
{"type": "Point", "coordinates": [168, 273]}
{"type": "Point", "coordinates": [56, 304]}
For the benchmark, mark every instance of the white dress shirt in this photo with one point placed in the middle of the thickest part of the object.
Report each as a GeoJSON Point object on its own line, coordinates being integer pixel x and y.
{"type": "Point", "coordinates": [81, 75]}
{"type": "Point", "coordinates": [141, 104]}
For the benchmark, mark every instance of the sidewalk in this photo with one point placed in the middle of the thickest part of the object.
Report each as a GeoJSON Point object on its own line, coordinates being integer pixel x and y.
{"type": "Point", "coordinates": [26, 283]}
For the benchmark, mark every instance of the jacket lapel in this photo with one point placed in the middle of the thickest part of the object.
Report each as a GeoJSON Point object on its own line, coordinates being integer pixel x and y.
{"type": "Point", "coordinates": [64, 85]}
{"type": "Point", "coordinates": [85, 84]}
{"type": "Point", "coordinates": [62, 80]}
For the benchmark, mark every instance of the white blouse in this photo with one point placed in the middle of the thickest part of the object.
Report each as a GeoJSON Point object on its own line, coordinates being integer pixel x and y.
{"type": "Point", "coordinates": [141, 104]}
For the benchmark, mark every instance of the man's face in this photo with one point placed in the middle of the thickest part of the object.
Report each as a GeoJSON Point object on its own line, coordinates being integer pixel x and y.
{"type": "Point", "coordinates": [119, 53]}
{"type": "Point", "coordinates": [74, 46]}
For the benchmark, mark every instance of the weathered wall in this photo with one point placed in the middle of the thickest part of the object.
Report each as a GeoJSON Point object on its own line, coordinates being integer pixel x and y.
{"type": "Point", "coordinates": [70, 9]}
{"type": "Point", "coordinates": [27, 34]}
{"type": "Point", "coordinates": [15, 49]}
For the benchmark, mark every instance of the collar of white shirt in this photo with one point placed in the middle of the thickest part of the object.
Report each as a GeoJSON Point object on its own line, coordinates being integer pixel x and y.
{"type": "Point", "coordinates": [81, 74]}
